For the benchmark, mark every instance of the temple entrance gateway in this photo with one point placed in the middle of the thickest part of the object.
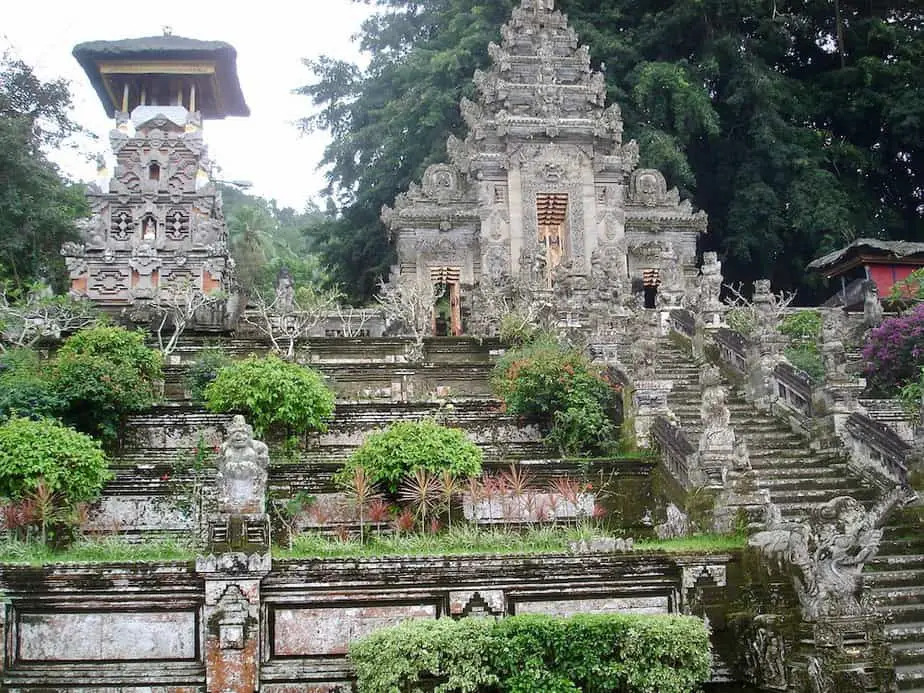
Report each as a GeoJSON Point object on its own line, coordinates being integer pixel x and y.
{"type": "Point", "coordinates": [542, 202]}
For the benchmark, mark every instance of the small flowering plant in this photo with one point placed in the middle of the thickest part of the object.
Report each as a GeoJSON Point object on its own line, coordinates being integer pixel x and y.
{"type": "Point", "coordinates": [894, 352]}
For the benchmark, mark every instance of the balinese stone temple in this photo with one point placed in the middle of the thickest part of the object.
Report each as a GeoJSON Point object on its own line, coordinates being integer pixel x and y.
{"type": "Point", "coordinates": [158, 221]}
{"type": "Point", "coordinates": [543, 194]}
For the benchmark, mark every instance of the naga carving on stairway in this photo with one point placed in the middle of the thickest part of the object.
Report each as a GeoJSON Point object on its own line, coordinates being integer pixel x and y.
{"type": "Point", "coordinates": [826, 553]}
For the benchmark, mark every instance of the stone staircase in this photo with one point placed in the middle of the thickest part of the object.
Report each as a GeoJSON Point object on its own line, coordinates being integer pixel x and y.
{"type": "Point", "coordinates": [895, 582]}
{"type": "Point", "coordinates": [799, 478]}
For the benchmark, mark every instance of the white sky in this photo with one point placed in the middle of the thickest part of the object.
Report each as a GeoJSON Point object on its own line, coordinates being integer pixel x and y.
{"type": "Point", "coordinates": [271, 38]}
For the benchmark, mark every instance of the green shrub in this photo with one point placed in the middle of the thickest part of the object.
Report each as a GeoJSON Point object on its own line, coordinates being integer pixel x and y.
{"type": "Point", "coordinates": [742, 321]}
{"type": "Point", "coordinates": [204, 370]}
{"type": "Point", "coordinates": [538, 654]}
{"type": "Point", "coordinates": [802, 327]}
{"type": "Point", "coordinates": [25, 389]}
{"type": "Point", "coordinates": [273, 393]}
{"type": "Point", "coordinates": [390, 455]}
{"type": "Point", "coordinates": [569, 397]}
{"type": "Point", "coordinates": [517, 330]}
{"type": "Point", "coordinates": [70, 463]}
{"type": "Point", "coordinates": [102, 374]}
{"type": "Point", "coordinates": [807, 359]}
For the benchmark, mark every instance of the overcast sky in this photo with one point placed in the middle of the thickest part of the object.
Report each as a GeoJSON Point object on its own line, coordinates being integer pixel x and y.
{"type": "Point", "coordinates": [271, 38]}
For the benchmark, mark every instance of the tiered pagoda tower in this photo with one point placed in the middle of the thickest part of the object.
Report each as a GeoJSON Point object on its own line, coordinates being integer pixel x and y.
{"type": "Point", "coordinates": [543, 192]}
{"type": "Point", "coordinates": [158, 221]}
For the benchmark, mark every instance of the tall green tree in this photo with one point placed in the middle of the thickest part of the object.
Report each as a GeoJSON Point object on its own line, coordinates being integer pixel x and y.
{"type": "Point", "coordinates": [797, 126]}
{"type": "Point", "coordinates": [266, 238]}
{"type": "Point", "coordinates": [38, 207]}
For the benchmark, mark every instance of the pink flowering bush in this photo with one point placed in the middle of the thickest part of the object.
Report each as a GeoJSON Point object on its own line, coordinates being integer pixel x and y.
{"type": "Point", "coordinates": [894, 353]}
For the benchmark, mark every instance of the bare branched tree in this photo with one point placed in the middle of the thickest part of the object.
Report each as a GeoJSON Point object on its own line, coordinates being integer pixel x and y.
{"type": "Point", "coordinates": [39, 315]}
{"type": "Point", "coordinates": [353, 320]}
{"type": "Point", "coordinates": [285, 322]}
{"type": "Point", "coordinates": [175, 307]}
{"type": "Point", "coordinates": [408, 306]}
{"type": "Point", "coordinates": [751, 314]}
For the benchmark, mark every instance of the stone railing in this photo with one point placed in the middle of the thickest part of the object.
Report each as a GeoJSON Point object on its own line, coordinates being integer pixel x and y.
{"type": "Point", "coordinates": [877, 452]}
{"type": "Point", "coordinates": [677, 453]}
{"type": "Point", "coordinates": [792, 397]}
{"type": "Point", "coordinates": [682, 322]}
{"type": "Point", "coordinates": [733, 349]}
{"type": "Point", "coordinates": [891, 413]}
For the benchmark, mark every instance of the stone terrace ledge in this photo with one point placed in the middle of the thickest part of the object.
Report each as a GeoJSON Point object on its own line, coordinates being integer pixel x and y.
{"type": "Point", "coordinates": [141, 625]}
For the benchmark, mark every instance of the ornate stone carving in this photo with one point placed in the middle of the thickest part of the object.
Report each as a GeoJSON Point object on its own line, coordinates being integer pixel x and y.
{"type": "Point", "coordinates": [710, 284]}
{"type": "Point", "coordinates": [833, 351]}
{"type": "Point", "coordinates": [826, 554]}
{"type": "Point", "coordinates": [284, 301]}
{"type": "Point", "coordinates": [242, 471]}
{"type": "Point", "coordinates": [766, 659]}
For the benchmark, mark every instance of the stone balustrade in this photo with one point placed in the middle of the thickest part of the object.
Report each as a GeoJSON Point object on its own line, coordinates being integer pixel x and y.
{"type": "Point", "coordinates": [877, 451]}
{"type": "Point", "coordinates": [677, 453]}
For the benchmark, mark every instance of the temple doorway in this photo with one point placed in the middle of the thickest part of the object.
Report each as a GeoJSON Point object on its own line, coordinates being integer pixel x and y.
{"type": "Point", "coordinates": [651, 279]}
{"type": "Point", "coordinates": [447, 309]}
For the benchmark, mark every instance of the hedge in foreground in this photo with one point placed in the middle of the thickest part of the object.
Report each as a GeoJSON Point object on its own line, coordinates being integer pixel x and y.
{"type": "Point", "coordinates": [618, 653]}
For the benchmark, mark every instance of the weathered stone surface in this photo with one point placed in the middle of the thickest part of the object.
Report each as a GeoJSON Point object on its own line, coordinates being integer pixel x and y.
{"type": "Point", "coordinates": [329, 631]}
{"type": "Point", "coordinates": [105, 636]}
{"type": "Point", "coordinates": [571, 607]}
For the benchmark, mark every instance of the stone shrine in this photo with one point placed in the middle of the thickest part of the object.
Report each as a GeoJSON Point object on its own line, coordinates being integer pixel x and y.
{"type": "Point", "coordinates": [158, 221]}
{"type": "Point", "coordinates": [543, 195]}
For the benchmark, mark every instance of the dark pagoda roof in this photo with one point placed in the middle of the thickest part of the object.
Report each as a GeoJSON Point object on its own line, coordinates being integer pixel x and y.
{"type": "Point", "coordinates": [167, 49]}
{"type": "Point", "coordinates": [862, 249]}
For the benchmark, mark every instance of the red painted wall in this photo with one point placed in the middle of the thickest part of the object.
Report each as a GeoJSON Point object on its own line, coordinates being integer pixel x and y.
{"type": "Point", "coordinates": [887, 275]}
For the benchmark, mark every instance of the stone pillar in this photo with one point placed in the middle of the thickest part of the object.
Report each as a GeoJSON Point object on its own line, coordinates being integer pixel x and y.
{"type": "Point", "coordinates": [239, 558]}
{"type": "Point", "coordinates": [232, 620]}
{"type": "Point", "coordinates": [649, 399]}
{"type": "Point", "coordinates": [717, 442]}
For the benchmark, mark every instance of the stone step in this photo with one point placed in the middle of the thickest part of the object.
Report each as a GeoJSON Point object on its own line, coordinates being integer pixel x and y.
{"type": "Point", "coordinates": [810, 497]}
{"type": "Point", "coordinates": [898, 596]}
{"type": "Point", "coordinates": [905, 632]}
{"type": "Point", "coordinates": [805, 483]}
{"type": "Point", "coordinates": [908, 653]}
{"type": "Point", "coordinates": [889, 562]}
{"type": "Point", "coordinates": [902, 613]}
{"type": "Point", "coordinates": [910, 678]}
{"type": "Point", "coordinates": [795, 469]}
{"type": "Point", "coordinates": [893, 578]}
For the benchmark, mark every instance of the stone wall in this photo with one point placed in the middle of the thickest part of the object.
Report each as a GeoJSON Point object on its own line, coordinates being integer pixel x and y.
{"type": "Point", "coordinates": [142, 627]}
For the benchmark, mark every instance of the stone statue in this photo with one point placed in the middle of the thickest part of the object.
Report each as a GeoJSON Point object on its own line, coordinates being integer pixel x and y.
{"type": "Point", "coordinates": [827, 553]}
{"type": "Point", "coordinates": [285, 292]}
{"type": "Point", "coordinates": [766, 658]}
{"type": "Point", "coordinates": [710, 284]}
{"type": "Point", "coordinates": [676, 525]}
{"type": "Point", "coordinates": [872, 308]}
{"type": "Point", "coordinates": [242, 471]}
{"type": "Point", "coordinates": [833, 352]}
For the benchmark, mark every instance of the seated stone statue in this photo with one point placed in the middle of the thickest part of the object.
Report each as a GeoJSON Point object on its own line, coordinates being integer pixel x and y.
{"type": "Point", "coordinates": [242, 471]}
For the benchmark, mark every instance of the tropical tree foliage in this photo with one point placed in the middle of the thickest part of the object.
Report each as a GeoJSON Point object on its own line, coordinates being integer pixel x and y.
{"type": "Point", "coordinates": [796, 125]}
{"type": "Point", "coordinates": [266, 238]}
{"type": "Point", "coordinates": [37, 206]}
